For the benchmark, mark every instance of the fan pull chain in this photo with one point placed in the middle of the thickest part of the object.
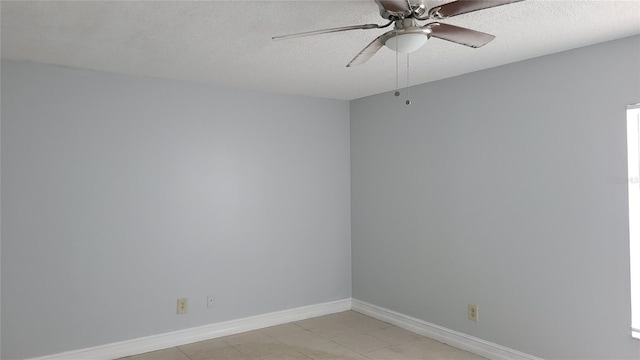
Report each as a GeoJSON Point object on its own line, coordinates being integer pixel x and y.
{"type": "Point", "coordinates": [397, 93]}
{"type": "Point", "coordinates": [638, 147]}
{"type": "Point", "coordinates": [408, 102]}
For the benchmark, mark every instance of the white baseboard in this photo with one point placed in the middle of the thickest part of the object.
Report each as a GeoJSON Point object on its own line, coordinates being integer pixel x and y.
{"type": "Point", "coordinates": [162, 341]}
{"type": "Point", "coordinates": [182, 337]}
{"type": "Point", "coordinates": [456, 339]}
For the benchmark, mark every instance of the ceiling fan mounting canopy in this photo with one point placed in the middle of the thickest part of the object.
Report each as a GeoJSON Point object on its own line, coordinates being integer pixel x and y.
{"type": "Point", "coordinates": [407, 35]}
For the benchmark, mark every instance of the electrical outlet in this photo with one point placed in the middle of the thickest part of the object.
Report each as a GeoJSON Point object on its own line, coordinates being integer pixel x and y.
{"type": "Point", "coordinates": [182, 306]}
{"type": "Point", "coordinates": [472, 311]}
{"type": "Point", "coordinates": [210, 301]}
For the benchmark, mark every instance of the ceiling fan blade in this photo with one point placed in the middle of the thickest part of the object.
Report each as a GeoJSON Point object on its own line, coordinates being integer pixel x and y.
{"type": "Point", "coordinates": [367, 52]}
{"type": "Point", "coordinates": [465, 6]}
{"type": "Point", "coordinates": [460, 35]}
{"type": "Point", "coordinates": [327, 31]}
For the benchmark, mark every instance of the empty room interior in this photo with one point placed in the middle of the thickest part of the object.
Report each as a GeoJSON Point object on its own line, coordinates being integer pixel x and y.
{"type": "Point", "coordinates": [185, 180]}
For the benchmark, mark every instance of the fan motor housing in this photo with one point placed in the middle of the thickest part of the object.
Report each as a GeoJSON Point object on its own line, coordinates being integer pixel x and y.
{"type": "Point", "coordinates": [390, 10]}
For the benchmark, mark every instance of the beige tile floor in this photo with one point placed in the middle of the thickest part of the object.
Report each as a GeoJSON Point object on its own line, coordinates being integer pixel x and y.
{"type": "Point", "coordinates": [343, 336]}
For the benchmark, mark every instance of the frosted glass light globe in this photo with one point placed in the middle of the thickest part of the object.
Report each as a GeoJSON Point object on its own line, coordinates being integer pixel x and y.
{"type": "Point", "coordinates": [406, 43]}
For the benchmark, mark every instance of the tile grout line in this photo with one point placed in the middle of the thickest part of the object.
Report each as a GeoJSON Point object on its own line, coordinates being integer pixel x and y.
{"type": "Point", "coordinates": [285, 345]}
{"type": "Point", "coordinates": [185, 354]}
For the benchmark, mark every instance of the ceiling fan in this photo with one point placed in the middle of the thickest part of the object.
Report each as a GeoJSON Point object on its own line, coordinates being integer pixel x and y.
{"type": "Point", "coordinates": [407, 35]}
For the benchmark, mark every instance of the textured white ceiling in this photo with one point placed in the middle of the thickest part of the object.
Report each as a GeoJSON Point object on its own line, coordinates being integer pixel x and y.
{"type": "Point", "coordinates": [229, 42]}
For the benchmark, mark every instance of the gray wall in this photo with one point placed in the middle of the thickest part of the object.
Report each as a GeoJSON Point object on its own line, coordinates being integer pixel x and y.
{"type": "Point", "coordinates": [122, 194]}
{"type": "Point", "coordinates": [494, 188]}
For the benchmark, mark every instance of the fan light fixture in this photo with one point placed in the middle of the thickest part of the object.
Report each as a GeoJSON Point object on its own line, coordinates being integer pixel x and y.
{"type": "Point", "coordinates": [407, 43]}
